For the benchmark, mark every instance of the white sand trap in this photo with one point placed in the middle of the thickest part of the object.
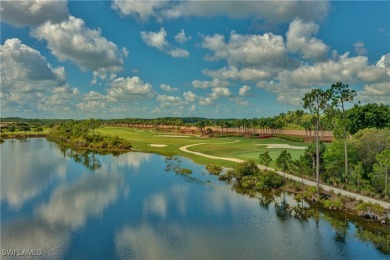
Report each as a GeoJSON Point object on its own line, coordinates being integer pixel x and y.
{"type": "Point", "coordinates": [158, 145]}
{"type": "Point", "coordinates": [139, 131]}
{"type": "Point", "coordinates": [282, 146]}
{"type": "Point", "coordinates": [185, 136]}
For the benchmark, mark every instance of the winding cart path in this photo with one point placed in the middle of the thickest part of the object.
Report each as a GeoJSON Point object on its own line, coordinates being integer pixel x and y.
{"type": "Point", "coordinates": [384, 204]}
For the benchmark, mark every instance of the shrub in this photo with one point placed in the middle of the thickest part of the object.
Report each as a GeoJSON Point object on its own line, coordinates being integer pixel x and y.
{"type": "Point", "coordinates": [246, 168]}
{"type": "Point", "coordinates": [185, 171]}
{"type": "Point", "coordinates": [310, 192]}
{"type": "Point", "coordinates": [271, 179]}
{"type": "Point", "coordinates": [213, 169]}
{"type": "Point", "coordinates": [260, 181]}
{"type": "Point", "coordinates": [367, 207]}
{"type": "Point", "coordinates": [228, 176]}
{"type": "Point", "coordinates": [333, 204]}
{"type": "Point", "coordinates": [298, 197]}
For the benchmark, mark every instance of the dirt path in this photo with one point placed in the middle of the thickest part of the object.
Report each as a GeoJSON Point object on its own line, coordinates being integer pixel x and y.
{"type": "Point", "coordinates": [386, 205]}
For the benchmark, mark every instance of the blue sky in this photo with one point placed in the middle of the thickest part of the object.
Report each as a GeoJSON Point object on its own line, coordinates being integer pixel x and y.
{"type": "Point", "coordinates": [215, 59]}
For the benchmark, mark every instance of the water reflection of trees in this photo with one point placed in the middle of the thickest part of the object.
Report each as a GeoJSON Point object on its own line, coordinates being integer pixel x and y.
{"type": "Point", "coordinates": [340, 221]}
{"type": "Point", "coordinates": [173, 163]}
{"type": "Point", "coordinates": [266, 198]}
{"type": "Point", "coordinates": [282, 209]}
{"type": "Point", "coordinates": [380, 238]}
{"type": "Point", "coordinates": [339, 225]}
{"type": "Point", "coordinates": [88, 158]}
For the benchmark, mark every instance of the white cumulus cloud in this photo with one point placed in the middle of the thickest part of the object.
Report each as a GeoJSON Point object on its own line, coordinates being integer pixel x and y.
{"type": "Point", "coordinates": [245, 74]}
{"type": "Point", "coordinates": [24, 69]}
{"type": "Point", "coordinates": [139, 9]}
{"type": "Point", "coordinates": [210, 84]}
{"type": "Point", "coordinates": [345, 69]}
{"type": "Point", "coordinates": [267, 51]}
{"type": "Point", "coordinates": [130, 89]}
{"type": "Point", "coordinates": [159, 40]}
{"type": "Point", "coordinates": [168, 88]}
{"type": "Point", "coordinates": [189, 96]}
{"type": "Point", "coordinates": [33, 12]}
{"type": "Point", "coordinates": [219, 92]}
{"type": "Point", "coordinates": [300, 39]}
{"type": "Point", "coordinates": [72, 40]}
{"type": "Point", "coordinates": [92, 105]}
{"type": "Point", "coordinates": [359, 47]}
{"type": "Point", "coordinates": [169, 101]}
{"type": "Point", "coordinates": [273, 12]}
{"type": "Point", "coordinates": [243, 91]}
{"type": "Point", "coordinates": [181, 37]}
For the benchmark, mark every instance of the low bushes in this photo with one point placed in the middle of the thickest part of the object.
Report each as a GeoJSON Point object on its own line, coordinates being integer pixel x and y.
{"type": "Point", "coordinates": [333, 204]}
{"type": "Point", "coordinates": [247, 175]}
{"type": "Point", "coordinates": [213, 169]}
{"type": "Point", "coordinates": [185, 171]}
{"type": "Point", "coordinates": [370, 210]}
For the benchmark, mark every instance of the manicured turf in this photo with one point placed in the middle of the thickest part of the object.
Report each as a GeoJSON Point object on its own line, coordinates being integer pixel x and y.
{"type": "Point", "coordinates": [244, 149]}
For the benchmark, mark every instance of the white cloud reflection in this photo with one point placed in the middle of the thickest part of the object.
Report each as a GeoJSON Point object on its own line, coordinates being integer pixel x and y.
{"type": "Point", "coordinates": [72, 204]}
{"type": "Point", "coordinates": [133, 160]}
{"type": "Point", "coordinates": [22, 181]}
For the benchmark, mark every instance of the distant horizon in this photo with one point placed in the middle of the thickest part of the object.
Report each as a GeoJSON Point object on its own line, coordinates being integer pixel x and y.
{"type": "Point", "coordinates": [155, 59]}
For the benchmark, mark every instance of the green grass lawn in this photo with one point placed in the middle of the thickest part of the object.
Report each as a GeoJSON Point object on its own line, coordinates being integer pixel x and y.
{"type": "Point", "coordinates": [244, 149]}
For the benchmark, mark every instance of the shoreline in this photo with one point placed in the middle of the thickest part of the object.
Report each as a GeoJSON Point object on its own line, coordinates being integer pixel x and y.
{"type": "Point", "coordinates": [306, 182]}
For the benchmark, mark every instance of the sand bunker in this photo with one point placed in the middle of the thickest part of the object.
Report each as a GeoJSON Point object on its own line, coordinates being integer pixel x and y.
{"type": "Point", "coordinates": [158, 145]}
{"type": "Point", "coordinates": [282, 146]}
{"type": "Point", "coordinates": [174, 135]}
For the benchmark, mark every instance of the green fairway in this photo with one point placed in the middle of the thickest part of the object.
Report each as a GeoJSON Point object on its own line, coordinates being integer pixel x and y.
{"type": "Point", "coordinates": [245, 149]}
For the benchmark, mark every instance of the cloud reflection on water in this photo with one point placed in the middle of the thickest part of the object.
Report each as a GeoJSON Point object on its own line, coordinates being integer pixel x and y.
{"type": "Point", "coordinates": [72, 204]}
{"type": "Point", "coordinates": [34, 234]}
{"type": "Point", "coordinates": [26, 176]}
{"type": "Point", "coordinates": [131, 159]}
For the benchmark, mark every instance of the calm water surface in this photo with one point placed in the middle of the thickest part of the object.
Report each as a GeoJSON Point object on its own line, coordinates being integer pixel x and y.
{"type": "Point", "coordinates": [88, 206]}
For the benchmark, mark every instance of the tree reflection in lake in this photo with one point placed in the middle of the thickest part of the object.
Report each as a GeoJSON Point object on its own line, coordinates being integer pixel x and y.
{"type": "Point", "coordinates": [266, 198]}
{"type": "Point", "coordinates": [173, 163]}
{"type": "Point", "coordinates": [88, 158]}
{"type": "Point", "coordinates": [375, 233]}
{"type": "Point", "coordinates": [381, 239]}
{"type": "Point", "coordinates": [282, 209]}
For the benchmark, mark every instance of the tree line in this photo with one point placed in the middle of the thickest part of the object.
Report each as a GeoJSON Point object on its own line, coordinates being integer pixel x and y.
{"type": "Point", "coordinates": [81, 134]}
{"type": "Point", "coordinates": [359, 116]}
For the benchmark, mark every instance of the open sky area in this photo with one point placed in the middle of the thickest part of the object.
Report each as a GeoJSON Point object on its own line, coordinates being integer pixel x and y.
{"type": "Point", "coordinates": [215, 59]}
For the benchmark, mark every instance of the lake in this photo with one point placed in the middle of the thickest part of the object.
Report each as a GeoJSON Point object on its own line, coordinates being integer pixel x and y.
{"type": "Point", "coordinates": [59, 203]}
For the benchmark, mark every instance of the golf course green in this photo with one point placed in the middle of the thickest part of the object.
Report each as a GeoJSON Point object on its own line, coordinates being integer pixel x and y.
{"type": "Point", "coordinates": [147, 140]}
